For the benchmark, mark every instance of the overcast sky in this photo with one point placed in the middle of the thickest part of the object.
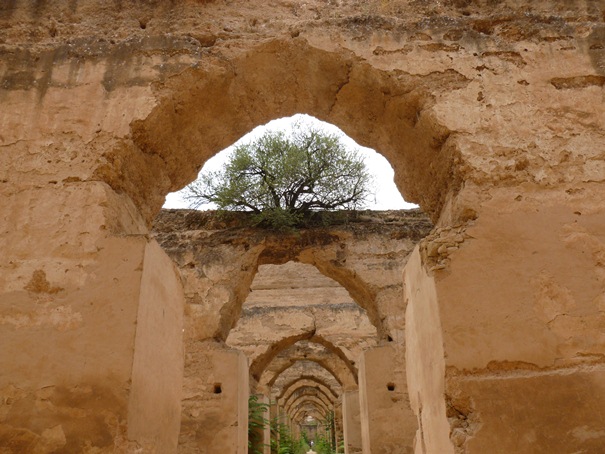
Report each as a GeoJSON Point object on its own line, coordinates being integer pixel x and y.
{"type": "Point", "coordinates": [386, 195]}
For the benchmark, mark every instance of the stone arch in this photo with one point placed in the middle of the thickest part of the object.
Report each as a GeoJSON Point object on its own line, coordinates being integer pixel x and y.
{"type": "Point", "coordinates": [306, 406]}
{"type": "Point", "coordinates": [396, 110]}
{"type": "Point", "coordinates": [310, 302]}
{"type": "Point", "coordinates": [335, 360]}
{"type": "Point", "coordinates": [202, 110]}
{"type": "Point", "coordinates": [305, 369]}
{"type": "Point", "coordinates": [301, 401]}
{"type": "Point", "coordinates": [343, 380]}
{"type": "Point", "coordinates": [306, 392]}
{"type": "Point", "coordinates": [303, 250]}
{"type": "Point", "coordinates": [309, 389]}
{"type": "Point", "coordinates": [331, 374]}
{"type": "Point", "coordinates": [307, 380]}
{"type": "Point", "coordinates": [221, 272]}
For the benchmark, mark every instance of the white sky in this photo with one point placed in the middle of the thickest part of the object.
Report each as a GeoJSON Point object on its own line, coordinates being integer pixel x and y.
{"type": "Point", "coordinates": [386, 196]}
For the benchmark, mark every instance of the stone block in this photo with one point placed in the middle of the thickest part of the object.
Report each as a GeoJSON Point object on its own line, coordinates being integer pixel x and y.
{"type": "Point", "coordinates": [388, 425]}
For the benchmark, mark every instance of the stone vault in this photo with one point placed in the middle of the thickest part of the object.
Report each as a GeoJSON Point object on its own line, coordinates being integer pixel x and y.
{"type": "Point", "coordinates": [492, 116]}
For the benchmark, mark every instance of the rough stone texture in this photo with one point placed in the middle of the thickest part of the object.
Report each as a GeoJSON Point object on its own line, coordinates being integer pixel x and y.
{"type": "Point", "coordinates": [383, 398]}
{"type": "Point", "coordinates": [545, 321]}
{"type": "Point", "coordinates": [72, 401]}
{"type": "Point", "coordinates": [497, 396]}
{"type": "Point", "coordinates": [491, 114]}
{"type": "Point", "coordinates": [290, 312]}
{"type": "Point", "coordinates": [215, 405]}
{"type": "Point", "coordinates": [351, 422]}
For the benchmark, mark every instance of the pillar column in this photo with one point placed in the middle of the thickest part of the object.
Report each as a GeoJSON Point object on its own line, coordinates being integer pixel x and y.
{"type": "Point", "coordinates": [215, 412]}
{"type": "Point", "coordinates": [388, 423]}
{"type": "Point", "coordinates": [338, 424]}
{"type": "Point", "coordinates": [91, 325]}
{"type": "Point", "coordinates": [266, 438]}
{"type": "Point", "coordinates": [351, 422]}
{"type": "Point", "coordinates": [504, 326]}
{"type": "Point", "coordinates": [282, 418]}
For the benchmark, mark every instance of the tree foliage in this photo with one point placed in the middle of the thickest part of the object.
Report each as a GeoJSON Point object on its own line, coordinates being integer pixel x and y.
{"type": "Point", "coordinates": [282, 441]}
{"type": "Point", "coordinates": [282, 177]}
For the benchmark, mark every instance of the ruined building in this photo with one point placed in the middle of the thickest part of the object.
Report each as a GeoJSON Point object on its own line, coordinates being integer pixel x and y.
{"type": "Point", "coordinates": [478, 329]}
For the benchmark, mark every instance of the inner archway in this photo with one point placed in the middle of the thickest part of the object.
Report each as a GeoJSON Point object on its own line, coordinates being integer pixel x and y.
{"type": "Point", "coordinates": [297, 323]}
{"type": "Point", "coordinates": [395, 119]}
{"type": "Point", "coordinates": [227, 270]}
{"type": "Point", "coordinates": [302, 389]}
{"type": "Point", "coordinates": [298, 288]}
{"type": "Point", "coordinates": [306, 380]}
{"type": "Point", "coordinates": [267, 369]}
{"type": "Point", "coordinates": [304, 368]}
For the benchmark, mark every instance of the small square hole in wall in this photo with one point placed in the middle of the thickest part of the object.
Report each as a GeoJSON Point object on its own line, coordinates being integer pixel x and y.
{"type": "Point", "coordinates": [391, 386]}
{"type": "Point", "coordinates": [217, 388]}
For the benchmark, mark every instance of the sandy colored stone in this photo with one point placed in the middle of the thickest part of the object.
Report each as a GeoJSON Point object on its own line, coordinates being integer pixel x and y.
{"type": "Point", "coordinates": [383, 398]}
{"type": "Point", "coordinates": [292, 313]}
{"type": "Point", "coordinates": [215, 404]}
{"type": "Point", "coordinates": [490, 113]}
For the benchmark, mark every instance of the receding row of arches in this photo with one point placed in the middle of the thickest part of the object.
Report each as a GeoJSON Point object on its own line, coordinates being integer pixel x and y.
{"type": "Point", "coordinates": [96, 312]}
{"type": "Point", "coordinates": [302, 376]}
{"type": "Point", "coordinates": [387, 110]}
{"type": "Point", "coordinates": [303, 334]}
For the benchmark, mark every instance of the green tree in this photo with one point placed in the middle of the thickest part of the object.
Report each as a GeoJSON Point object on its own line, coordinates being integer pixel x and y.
{"type": "Point", "coordinates": [282, 177]}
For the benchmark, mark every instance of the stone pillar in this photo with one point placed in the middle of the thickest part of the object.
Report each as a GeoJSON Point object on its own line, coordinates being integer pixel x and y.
{"type": "Point", "coordinates": [273, 416]}
{"type": "Point", "coordinates": [388, 425]}
{"type": "Point", "coordinates": [425, 360]}
{"type": "Point", "coordinates": [91, 326]}
{"type": "Point", "coordinates": [154, 407]}
{"type": "Point", "coordinates": [504, 327]}
{"type": "Point", "coordinates": [338, 423]}
{"type": "Point", "coordinates": [351, 422]}
{"type": "Point", "coordinates": [215, 410]}
{"type": "Point", "coordinates": [282, 417]}
{"type": "Point", "coordinates": [295, 429]}
{"type": "Point", "coordinates": [267, 429]}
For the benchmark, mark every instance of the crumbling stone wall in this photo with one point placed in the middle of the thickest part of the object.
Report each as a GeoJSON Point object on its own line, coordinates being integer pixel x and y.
{"type": "Point", "coordinates": [293, 301]}
{"type": "Point", "coordinates": [218, 266]}
{"type": "Point", "coordinates": [491, 114]}
{"type": "Point", "coordinates": [366, 252]}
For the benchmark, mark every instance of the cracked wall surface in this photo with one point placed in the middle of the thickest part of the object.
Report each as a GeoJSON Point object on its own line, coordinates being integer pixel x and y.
{"type": "Point", "coordinates": [491, 114]}
{"type": "Point", "coordinates": [291, 314]}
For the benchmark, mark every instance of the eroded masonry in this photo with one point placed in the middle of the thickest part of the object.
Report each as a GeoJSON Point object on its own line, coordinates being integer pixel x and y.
{"type": "Point", "coordinates": [312, 321]}
{"type": "Point", "coordinates": [481, 330]}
